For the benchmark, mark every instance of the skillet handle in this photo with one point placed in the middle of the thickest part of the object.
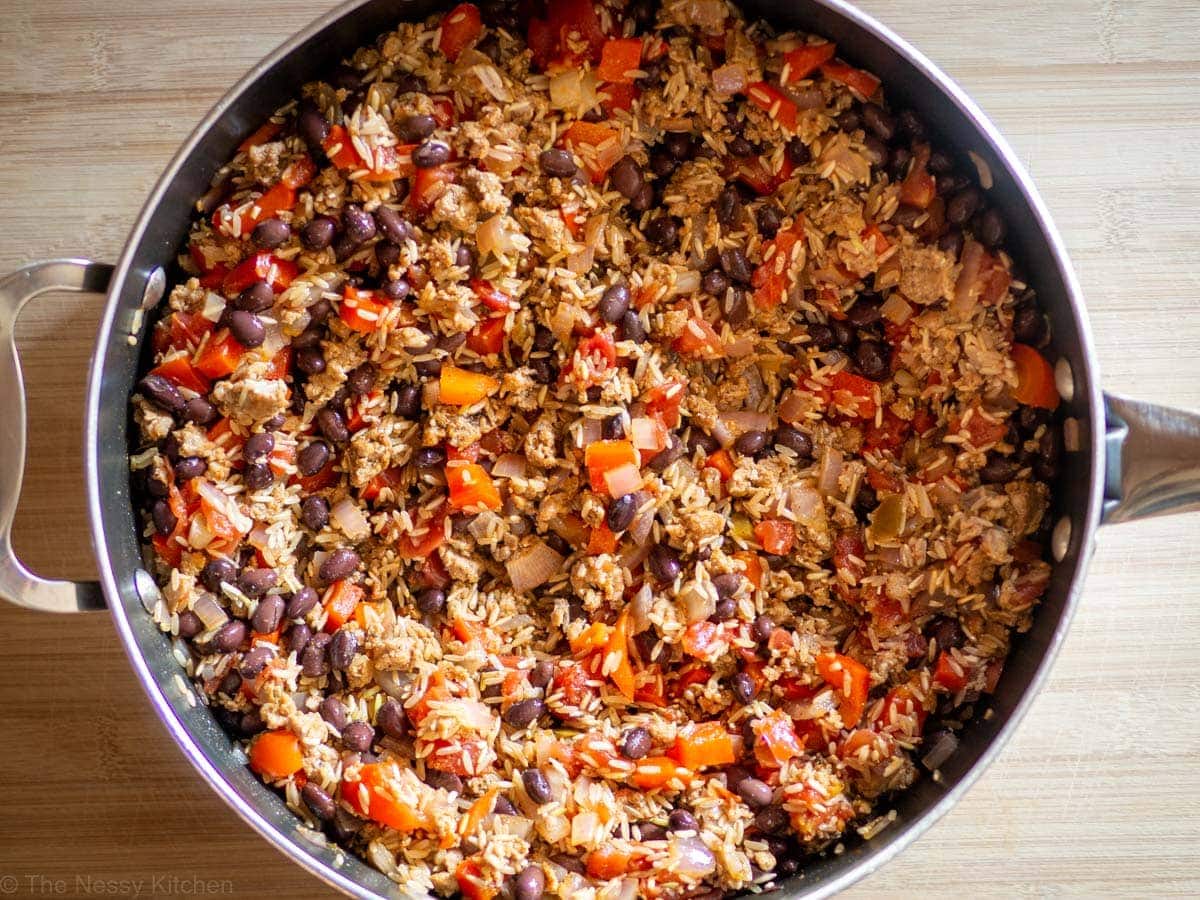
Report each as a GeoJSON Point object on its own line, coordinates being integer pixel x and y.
{"type": "Point", "coordinates": [17, 583]}
{"type": "Point", "coordinates": [1152, 460]}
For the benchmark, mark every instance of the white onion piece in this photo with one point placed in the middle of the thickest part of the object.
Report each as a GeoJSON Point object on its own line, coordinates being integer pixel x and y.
{"type": "Point", "coordinates": [627, 890]}
{"type": "Point", "coordinates": [686, 282]}
{"type": "Point", "coordinates": [793, 407]}
{"type": "Point", "coordinates": [394, 684]}
{"type": "Point", "coordinates": [806, 505]}
{"type": "Point", "coordinates": [699, 599]}
{"type": "Point", "coordinates": [214, 305]}
{"type": "Point", "coordinates": [581, 261]}
{"type": "Point", "coordinates": [205, 606]}
{"type": "Point", "coordinates": [689, 857]}
{"type": "Point", "coordinates": [721, 433]}
{"type": "Point", "coordinates": [590, 431]}
{"type": "Point", "coordinates": [257, 537]}
{"type": "Point", "coordinates": [830, 471]}
{"type": "Point", "coordinates": [965, 296]}
{"type": "Point", "coordinates": [509, 465]}
{"type": "Point", "coordinates": [346, 515]}
{"type": "Point", "coordinates": [633, 555]}
{"type": "Point", "coordinates": [647, 434]}
{"type": "Point", "coordinates": [474, 715]}
{"type": "Point", "coordinates": [643, 519]}
{"type": "Point", "coordinates": [573, 90]}
{"type": "Point", "coordinates": [747, 420]}
{"type": "Point", "coordinates": [730, 79]}
{"type": "Point", "coordinates": [707, 14]}
{"type": "Point", "coordinates": [809, 98]}
{"type": "Point", "coordinates": [521, 826]}
{"type": "Point", "coordinates": [562, 321]}
{"type": "Point", "coordinates": [274, 339]}
{"type": "Point", "coordinates": [639, 609]}
{"type": "Point", "coordinates": [199, 536]}
{"type": "Point", "coordinates": [491, 236]}
{"type": "Point", "coordinates": [740, 347]}
{"type": "Point", "coordinates": [624, 479]}
{"type": "Point", "coordinates": [943, 748]}
{"type": "Point", "coordinates": [896, 309]}
{"type": "Point", "coordinates": [534, 567]}
{"type": "Point", "coordinates": [891, 557]}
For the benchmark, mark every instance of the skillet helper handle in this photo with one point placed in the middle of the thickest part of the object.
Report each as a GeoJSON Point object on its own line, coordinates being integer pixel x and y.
{"type": "Point", "coordinates": [17, 584]}
{"type": "Point", "coordinates": [1152, 460]}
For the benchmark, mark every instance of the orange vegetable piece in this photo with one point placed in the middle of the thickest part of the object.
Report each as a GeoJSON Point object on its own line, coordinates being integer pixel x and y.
{"type": "Point", "coordinates": [461, 27]}
{"type": "Point", "coordinates": [619, 57]}
{"type": "Point", "coordinates": [604, 456]}
{"type": "Point", "coordinates": [899, 706]}
{"type": "Point", "coordinates": [618, 95]}
{"type": "Point", "coordinates": [471, 487]}
{"type": "Point", "coordinates": [299, 172]}
{"type": "Point", "coordinates": [427, 186]}
{"type": "Point", "coordinates": [341, 600]}
{"type": "Point", "coordinates": [854, 394]}
{"type": "Point", "coordinates": [276, 754]}
{"type": "Point", "coordinates": [382, 805]}
{"type": "Point", "coordinates": [597, 145]}
{"type": "Point", "coordinates": [471, 882]}
{"type": "Point", "coordinates": [488, 336]}
{"type": "Point", "coordinates": [478, 810]}
{"type": "Point", "coordinates": [857, 80]}
{"type": "Point", "coordinates": [753, 570]}
{"type": "Point", "coordinates": [655, 771]}
{"type": "Point", "coordinates": [698, 338]}
{"type": "Point", "coordinates": [261, 135]}
{"type": "Point", "coordinates": [360, 310]}
{"type": "Point", "coordinates": [700, 638]}
{"type": "Point", "coordinates": [918, 187]}
{"type": "Point", "coordinates": [1035, 378]}
{"type": "Point", "coordinates": [664, 400]}
{"type": "Point", "coordinates": [947, 675]}
{"type": "Point", "coordinates": [773, 279]}
{"type": "Point", "coordinates": [618, 645]}
{"type": "Point", "coordinates": [608, 861]}
{"type": "Point", "coordinates": [593, 638]}
{"type": "Point", "coordinates": [850, 680]}
{"type": "Point", "coordinates": [722, 461]}
{"type": "Point", "coordinates": [601, 540]}
{"type": "Point", "coordinates": [460, 387]}
{"type": "Point", "coordinates": [700, 744]}
{"type": "Point", "coordinates": [774, 102]}
{"type": "Point", "coordinates": [276, 272]}
{"type": "Point", "coordinates": [775, 535]}
{"type": "Point", "coordinates": [220, 355]}
{"type": "Point", "coordinates": [777, 739]}
{"type": "Point", "coordinates": [179, 371]}
{"type": "Point", "coordinates": [339, 149]}
{"type": "Point", "coordinates": [803, 61]}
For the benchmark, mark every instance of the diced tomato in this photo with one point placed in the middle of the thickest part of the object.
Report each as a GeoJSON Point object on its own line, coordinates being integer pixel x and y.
{"type": "Point", "coordinates": [598, 353]}
{"type": "Point", "coordinates": [618, 58]}
{"type": "Point", "coordinates": [181, 331]}
{"type": "Point", "coordinates": [775, 535]}
{"type": "Point", "coordinates": [276, 272]}
{"type": "Point", "coordinates": [664, 400]}
{"type": "Point", "coordinates": [281, 364]}
{"type": "Point", "coordinates": [433, 534]}
{"type": "Point", "coordinates": [261, 135]}
{"type": "Point", "coordinates": [774, 102]}
{"type": "Point", "coordinates": [698, 338]}
{"type": "Point", "coordinates": [597, 145]}
{"type": "Point", "coordinates": [428, 185]}
{"type": "Point", "coordinates": [220, 355]}
{"type": "Point", "coordinates": [890, 434]}
{"type": "Point", "coordinates": [773, 279]}
{"type": "Point", "coordinates": [214, 277]}
{"type": "Point", "coordinates": [471, 487]}
{"type": "Point", "coordinates": [573, 681]}
{"type": "Point", "coordinates": [1035, 378]}
{"type": "Point", "coordinates": [918, 187]}
{"type": "Point", "coordinates": [777, 741]}
{"type": "Point", "coordinates": [299, 172]}
{"type": "Point", "coordinates": [752, 171]}
{"type": "Point", "coordinates": [618, 96]}
{"type": "Point", "coordinates": [863, 83]}
{"type": "Point", "coordinates": [573, 218]}
{"type": "Point", "coordinates": [602, 540]}
{"type": "Point", "coordinates": [548, 38]}
{"type": "Point", "coordinates": [542, 41]}
{"type": "Point", "coordinates": [360, 310]}
{"type": "Point", "coordinates": [319, 480]}
{"type": "Point", "coordinates": [722, 461]}
{"type": "Point", "coordinates": [901, 711]}
{"type": "Point", "coordinates": [848, 553]}
{"type": "Point", "coordinates": [700, 638]}
{"type": "Point", "coordinates": [488, 336]}
{"type": "Point", "coordinates": [341, 600]}
{"type": "Point", "coordinates": [461, 27]}
{"type": "Point", "coordinates": [444, 112]}
{"type": "Point", "coordinates": [388, 478]}
{"type": "Point", "coordinates": [701, 744]}
{"type": "Point", "coordinates": [462, 387]}
{"type": "Point", "coordinates": [850, 680]}
{"type": "Point", "coordinates": [340, 150]}
{"type": "Point", "coordinates": [492, 297]}
{"type": "Point", "coordinates": [884, 482]}
{"type": "Point", "coordinates": [180, 372]}
{"type": "Point", "coordinates": [949, 675]}
{"type": "Point", "coordinates": [981, 428]}
{"type": "Point", "coordinates": [470, 453]}
{"type": "Point", "coordinates": [853, 394]}
{"type": "Point", "coordinates": [875, 238]}
{"type": "Point", "coordinates": [803, 61]}
{"type": "Point", "coordinates": [923, 421]}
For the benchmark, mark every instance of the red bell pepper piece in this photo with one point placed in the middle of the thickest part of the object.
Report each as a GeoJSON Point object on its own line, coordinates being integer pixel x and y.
{"type": "Point", "coordinates": [774, 102]}
{"type": "Point", "coordinates": [618, 58]}
{"type": "Point", "coordinates": [428, 186]}
{"type": "Point", "coordinates": [220, 355]}
{"type": "Point", "coordinates": [803, 61]}
{"type": "Point", "coordinates": [1035, 378]}
{"type": "Point", "coordinates": [461, 27]}
{"type": "Point", "coordinates": [488, 336]}
{"type": "Point", "coordinates": [862, 83]}
{"type": "Point", "coordinates": [278, 273]}
{"type": "Point", "coordinates": [179, 370]}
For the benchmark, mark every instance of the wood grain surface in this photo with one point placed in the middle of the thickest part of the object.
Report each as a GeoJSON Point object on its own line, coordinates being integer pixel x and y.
{"type": "Point", "coordinates": [1099, 794]}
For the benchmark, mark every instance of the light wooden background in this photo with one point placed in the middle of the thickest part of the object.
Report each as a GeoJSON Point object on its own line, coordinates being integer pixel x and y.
{"type": "Point", "coordinates": [1099, 795]}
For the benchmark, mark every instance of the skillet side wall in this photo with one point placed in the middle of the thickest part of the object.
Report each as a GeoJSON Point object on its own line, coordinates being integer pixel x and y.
{"type": "Point", "coordinates": [162, 229]}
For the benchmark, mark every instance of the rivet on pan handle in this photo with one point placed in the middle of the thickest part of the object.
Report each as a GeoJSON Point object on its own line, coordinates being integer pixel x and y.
{"type": "Point", "coordinates": [17, 583]}
{"type": "Point", "coordinates": [1152, 460]}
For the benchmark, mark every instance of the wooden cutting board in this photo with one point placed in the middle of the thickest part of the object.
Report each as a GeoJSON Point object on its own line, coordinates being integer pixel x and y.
{"type": "Point", "coordinates": [1099, 795]}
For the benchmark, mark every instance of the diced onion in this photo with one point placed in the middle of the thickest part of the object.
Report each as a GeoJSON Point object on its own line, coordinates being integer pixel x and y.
{"type": "Point", "coordinates": [806, 505]}
{"type": "Point", "coordinates": [747, 420]}
{"type": "Point", "coordinates": [730, 79]}
{"type": "Point", "coordinates": [573, 90]}
{"type": "Point", "coordinates": [647, 434]}
{"type": "Point", "coordinates": [699, 599]}
{"type": "Point", "coordinates": [581, 260]}
{"type": "Point", "coordinates": [509, 465]}
{"type": "Point", "coordinates": [394, 684]}
{"type": "Point", "coordinates": [533, 567]}
{"type": "Point", "coordinates": [643, 519]}
{"type": "Point", "coordinates": [623, 479]}
{"type": "Point", "coordinates": [633, 555]}
{"type": "Point", "coordinates": [709, 15]}
{"type": "Point", "coordinates": [214, 305]}
{"type": "Point", "coordinates": [830, 471]}
{"type": "Point", "coordinates": [943, 748]}
{"type": "Point", "coordinates": [689, 857]}
{"type": "Point", "coordinates": [721, 433]}
{"type": "Point", "coordinates": [686, 282]}
{"type": "Point", "coordinates": [809, 98]}
{"type": "Point", "coordinates": [740, 347]}
{"type": "Point", "coordinates": [205, 606]}
{"type": "Point", "coordinates": [347, 516]}
{"type": "Point", "coordinates": [590, 431]}
{"type": "Point", "coordinates": [492, 236]}
{"type": "Point", "coordinates": [793, 406]}
{"type": "Point", "coordinates": [965, 295]}
{"type": "Point", "coordinates": [639, 610]}
{"type": "Point", "coordinates": [521, 826]}
{"type": "Point", "coordinates": [896, 309]}
{"type": "Point", "coordinates": [474, 715]}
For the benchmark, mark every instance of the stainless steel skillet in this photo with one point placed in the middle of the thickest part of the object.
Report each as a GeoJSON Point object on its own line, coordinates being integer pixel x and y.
{"type": "Point", "coordinates": [1133, 459]}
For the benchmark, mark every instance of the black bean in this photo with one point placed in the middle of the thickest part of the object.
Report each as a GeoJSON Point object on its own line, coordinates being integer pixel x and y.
{"type": "Point", "coordinates": [246, 327]}
{"type": "Point", "coordinates": [444, 781]}
{"type": "Point", "coordinates": [431, 601]}
{"type": "Point", "coordinates": [302, 603]}
{"type": "Point", "coordinates": [632, 328]}
{"type": "Point", "coordinates": [332, 425]}
{"type": "Point", "coordinates": [431, 154]}
{"type": "Point", "coordinates": [649, 831]}
{"type": "Point", "coordinates": [464, 258]}
{"type": "Point", "coordinates": [798, 153]}
{"type": "Point", "coordinates": [415, 128]}
{"type": "Point", "coordinates": [771, 819]}
{"type": "Point", "coordinates": [729, 206]}
{"type": "Point", "coordinates": [865, 501]}
{"type": "Point", "coordinates": [270, 233]}
{"type": "Point", "coordinates": [947, 633]}
{"type": "Point", "coordinates": [735, 264]}
{"type": "Point", "coordinates": [258, 476]}
{"type": "Point", "coordinates": [542, 673]}
{"type": "Point", "coordinates": [621, 512]}
{"type": "Point", "coordinates": [310, 360]}
{"type": "Point", "coordinates": [679, 145]}
{"type": "Point", "coordinates": [256, 582]}
{"type": "Point", "coordinates": [340, 563]}
{"type": "Point", "coordinates": [529, 883]}
{"type": "Point", "coordinates": [1029, 325]}
{"type": "Point", "coordinates": [318, 234]}
{"type": "Point", "coordinates": [342, 649]}
{"type": "Point", "coordinates": [164, 520]}
{"type": "Point", "coordinates": [312, 657]}
{"type": "Point", "coordinates": [614, 302]}
{"type": "Point", "coordinates": [757, 794]}
{"type": "Point", "coordinates": [524, 713]}
{"type": "Point", "coordinates": [743, 687]}
{"type": "Point", "coordinates": [254, 661]}
{"type": "Point", "coordinates": [190, 467]}
{"type": "Point", "coordinates": [430, 457]}
{"type": "Point", "coordinates": [358, 736]}
{"type": "Point", "coordinates": [257, 298]}
{"type": "Point", "coordinates": [715, 282]}
{"type": "Point", "coordinates": [557, 163]}
{"type": "Point", "coordinates": [393, 226]}
{"type": "Point", "coordinates": [297, 638]}
{"type": "Point", "coordinates": [536, 786]}
{"type": "Point", "coordinates": [626, 177]}
{"type": "Point", "coordinates": [963, 206]}
{"type": "Point", "coordinates": [951, 242]}
{"type": "Point", "coordinates": [750, 443]}
{"type": "Point", "coordinates": [702, 441]}
{"type": "Point", "coordinates": [258, 446]}
{"type": "Point", "coordinates": [673, 451]}
{"type": "Point", "coordinates": [268, 614]}
{"type": "Point", "coordinates": [898, 164]}
{"type": "Point", "coordinates": [612, 428]}
{"type": "Point", "coordinates": [795, 440]}
{"type": "Point", "coordinates": [200, 411]}
{"type": "Point", "coordinates": [662, 164]}
{"type": "Point", "coordinates": [162, 393]}
{"type": "Point", "coordinates": [940, 163]}
{"type": "Point", "coordinates": [682, 820]}
{"type": "Point", "coordinates": [876, 151]}
{"type": "Point", "coordinates": [643, 199]}
{"type": "Point", "coordinates": [763, 628]}
{"type": "Point", "coordinates": [190, 624]}
{"type": "Point", "coordinates": [215, 572]}
{"type": "Point", "coordinates": [865, 312]}
{"type": "Point", "coordinates": [664, 563]}
{"type": "Point", "coordinates": [878, 120]}
{"type": "Point", "coordinates": [1030, 418]}
{"type": "Point", "coordinates": [230, 684]}
{"type": "Point", "coordinates": [769, 218]}
{"type": "Point", "coordinates": [822, 336]}
{"type": "Point", "coordinates": [872, 360]}
{"type": "Point", "coordinates": [998, 469]}
{"type": "Point", "coordinates": [636, 743]}
{"type": "Point", "coordinates": [312, 458]}
{"type": "Point", "coordinates": [408, 401]}
{"type": "Point", "coordinates": [317, 800]}
{"type": "Point", "coordinates": [727, 584]}
{"type": "Point", "coordinates": [312, 125]}
{"type": "Point", "coordinates": [230, 636]}
{"type": "Point", "coordinates": [725, 609]}
{"type": "Point", "coordinates": [392, 719]}
{"type": "Point", "coordinates": [387, 255]}
{"type": "Point", "coordinates": [358, 226]}
{"type": "Point", "coordinates": [991, 228]}
{"type": "Point", "coordinates": [910, 124]}
{"type": "Point", "coordinates": [739, 146]}
{"type": "Point", "coordinates": [850, 119]}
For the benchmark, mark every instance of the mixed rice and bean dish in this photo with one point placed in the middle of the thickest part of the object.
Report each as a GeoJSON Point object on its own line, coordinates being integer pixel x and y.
{"type": "Point", "coordinates": [596, 451]}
